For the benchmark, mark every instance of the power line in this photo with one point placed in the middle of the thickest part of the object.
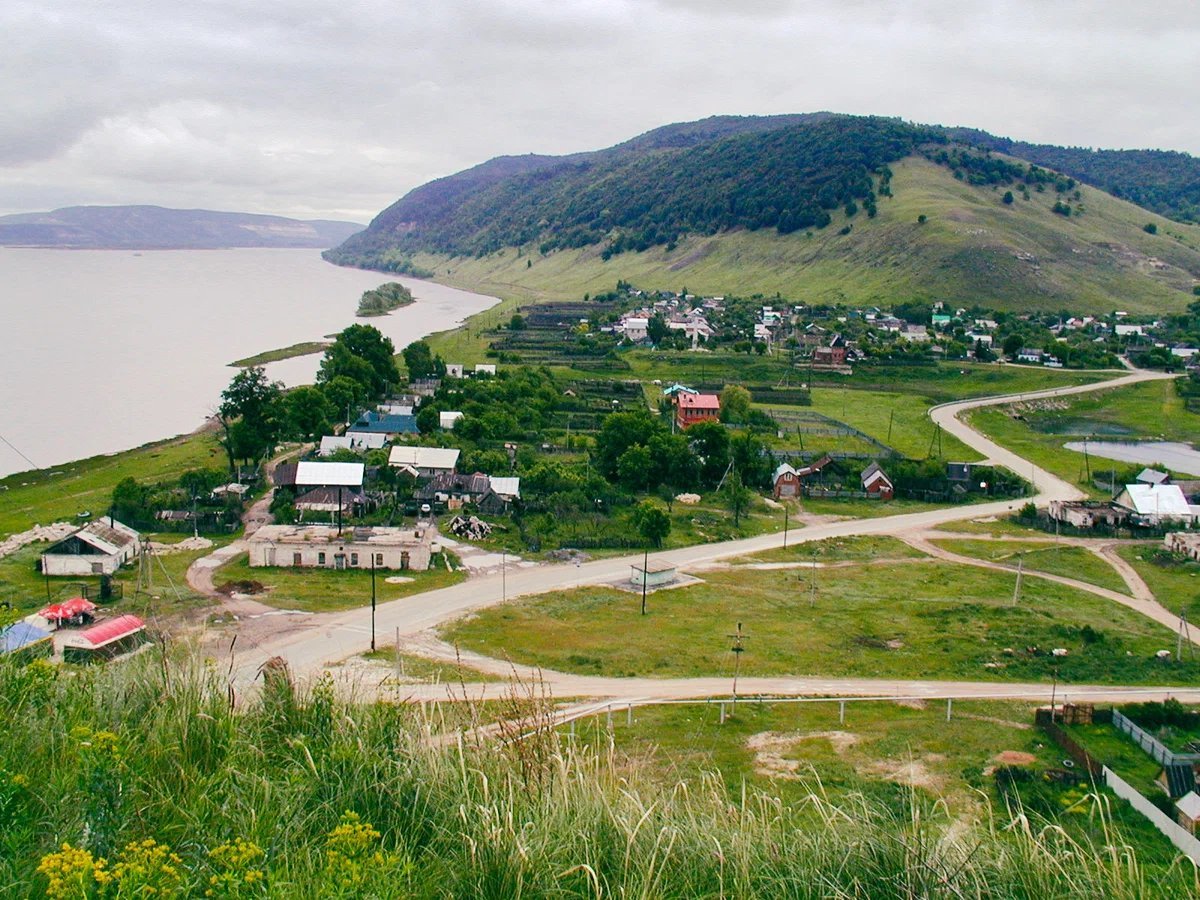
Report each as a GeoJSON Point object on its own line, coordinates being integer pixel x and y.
{"type": "Point", "coordinates": [18, 452]}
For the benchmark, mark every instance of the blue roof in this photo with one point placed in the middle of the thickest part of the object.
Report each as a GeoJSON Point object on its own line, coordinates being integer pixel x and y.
{"type": "Point", "coordinates": [20, 634]}
{"type": "Point", "coordinates": [375, 423]}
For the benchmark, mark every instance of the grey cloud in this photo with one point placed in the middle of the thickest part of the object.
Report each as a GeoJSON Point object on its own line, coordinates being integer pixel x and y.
{"type": "Point", "coordinates": [315, 108]}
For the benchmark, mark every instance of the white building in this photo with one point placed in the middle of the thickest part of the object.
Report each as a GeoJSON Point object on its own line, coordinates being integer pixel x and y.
{"type": "Point", "coordinates": [485, 369]}
{"type": "Point", "coordinates": [446, 420]}
{"type": "Point", "coordinates": [424, 461]}
{"type": "Point", "coordinates": [322, 547]}
{"type": "Point", "coordinates": [636, 328]}
{"type": "Point", "coordinates": [357, 442]}
{"type": "Point", "coordinates": [98, 548]}
{"type": "Point", "coordinates": [1154, 504]}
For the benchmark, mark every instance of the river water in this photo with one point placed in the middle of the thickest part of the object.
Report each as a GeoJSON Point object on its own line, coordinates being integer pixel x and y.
{"type": "Point", "coordinates": [103, 350]}
{"type": "Point", "coordinates": [1176, 456]}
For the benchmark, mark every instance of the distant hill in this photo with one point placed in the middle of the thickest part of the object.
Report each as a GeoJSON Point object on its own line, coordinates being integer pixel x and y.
{"type": "Point", "coordinates": [155, 227]}
{"type": "Point", "coordinates": [823, 206]}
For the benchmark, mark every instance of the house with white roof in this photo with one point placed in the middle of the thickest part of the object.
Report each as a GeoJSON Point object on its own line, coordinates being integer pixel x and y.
{"type": "Point", "coordinates": [1155, 504]}
{"type": "Point", "coordinates": [425, 462]}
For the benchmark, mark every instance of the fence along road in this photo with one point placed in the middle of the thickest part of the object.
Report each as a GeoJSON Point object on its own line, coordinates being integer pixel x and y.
{"type": "Point", "coordinates": [313, 643]}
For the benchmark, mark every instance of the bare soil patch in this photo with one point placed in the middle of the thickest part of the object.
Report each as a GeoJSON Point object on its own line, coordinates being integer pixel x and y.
{"type": "Point", "coordinates": [249, 588]}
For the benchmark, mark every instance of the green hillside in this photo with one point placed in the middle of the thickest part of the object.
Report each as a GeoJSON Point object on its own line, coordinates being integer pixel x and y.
{"type": "Point", "coordinates": [972, 249]}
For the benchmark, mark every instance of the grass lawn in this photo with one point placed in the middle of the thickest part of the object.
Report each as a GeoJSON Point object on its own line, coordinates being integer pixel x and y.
{"type": "Point", "coordinates": [935, 620]}
{"type": "Point", "coordinates": [857, 547]}
{"type": "Point", "coordinates": [901, 755]}
{"type": "Point", "coordinates": [1175, 586]}
{"type": "Point", "coordinates": [856, 508]}
{"type": "Point", "coordinates": [1150, 410]}
{"type": "Point", "coordinates": [1070, 562]}
{"type": "Point", "coordinates": [999, 526]}
{"type": "Point", "coordinates": [424, 669]}
{"type": "Point", "coordinates": [58, 494]}
{"type": "Point", "coordinates": [323, 590]}
{"type": "Point", "coordinates": [1116, 750]}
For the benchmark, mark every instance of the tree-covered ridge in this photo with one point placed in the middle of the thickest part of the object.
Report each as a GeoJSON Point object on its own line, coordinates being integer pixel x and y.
{"type": "Point", "coordinates": [1165, 181]}
{"type": "Point", "coordinates": [787, 173]}
{"type": "Point", "coordinates": [648, 192]}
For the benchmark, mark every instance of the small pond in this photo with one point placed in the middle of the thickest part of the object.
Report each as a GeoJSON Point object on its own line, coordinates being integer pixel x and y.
{"type": "Point", "coordinates": [1076, 426]}
{"type": "Point", "coordinates": [1176, 456]}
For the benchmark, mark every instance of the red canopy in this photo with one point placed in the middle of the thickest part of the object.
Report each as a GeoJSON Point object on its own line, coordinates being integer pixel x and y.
{"type": "Point", "coordinates": [68, 609]}
{"type": "Point", "coordinates": [113, 629]}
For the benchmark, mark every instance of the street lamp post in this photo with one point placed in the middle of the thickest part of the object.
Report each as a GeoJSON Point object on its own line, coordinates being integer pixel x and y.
{"type": "Point", "coordinates": [373, 605]}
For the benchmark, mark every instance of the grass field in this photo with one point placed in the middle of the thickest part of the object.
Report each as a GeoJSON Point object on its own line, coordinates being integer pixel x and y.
{"type": "Point", "coordinates": [304, 348]}
{"type": "Point", "coordinates": [60, 493]}
{"type": "Point", "coordinates": [966, 250]}
{"type": "Point", "coordinates": [323, 590]}
{"type": "Point", "coordinates": [1151, 410]}
{"type": "Point", "coordinates": [933, 620]}
{"type": "Point", "coordinates": [423, 669]}
{"type": "Point", "coordinates": [1070, 562]}
{"type": "Point", "coordinates": [1175, 586]}
{"type": "Point", "coordinates": [857, 548]}
{"type": "Point", "coordinates": [903, 754]}
{"type": "Point", "coordinates": [998, 526]}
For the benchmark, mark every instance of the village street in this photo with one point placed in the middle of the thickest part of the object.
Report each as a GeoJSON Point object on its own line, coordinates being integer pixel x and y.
{"type": "Point", "coordinates": [313, 643]}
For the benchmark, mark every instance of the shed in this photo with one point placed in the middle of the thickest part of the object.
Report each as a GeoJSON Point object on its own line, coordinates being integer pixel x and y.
{"type": "Point", "coordinates": [447, 419]}
{"type": "Point", "coordinates": [785, 482]}
{"type": "Point", "coordinates": [106, 640]}
{"type": "Point", "coordinates": [98, 548]}
{"type": "Point", "coordinates": [1153, 476]}
{"type": "Point", "coordinates": [876, 483]}
{"type": "Point", "coordinates": [24, 640]}
{"type": "Point", "coordinates": [653, 573]}
{"type": "Point", "coordinates": [1187, 811]}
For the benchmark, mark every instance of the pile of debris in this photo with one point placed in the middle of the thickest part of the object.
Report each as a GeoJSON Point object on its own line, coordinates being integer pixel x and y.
{"type": "Point", "coordinates": [240, 587]}
{"type": "Point", "coordinates": [469, 527]}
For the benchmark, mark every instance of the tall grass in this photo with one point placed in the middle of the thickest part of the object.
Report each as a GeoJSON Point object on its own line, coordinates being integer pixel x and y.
{"type": "Point", "coordinates": [153, 749]}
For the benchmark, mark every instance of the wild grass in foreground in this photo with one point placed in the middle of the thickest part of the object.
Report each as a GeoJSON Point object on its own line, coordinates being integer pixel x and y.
{"type": "Point", "coordinates": [121, 779]}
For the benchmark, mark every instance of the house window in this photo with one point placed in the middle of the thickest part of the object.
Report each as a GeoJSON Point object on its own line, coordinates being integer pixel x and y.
{"type": "Point", "coordinates": [379, 559]}
{"type": "Point", "coordinates": [354, 559]}
{"type": "Point", "coordinates": [295, 559]}
{"type": "Point", "coordinates": [320, 559]}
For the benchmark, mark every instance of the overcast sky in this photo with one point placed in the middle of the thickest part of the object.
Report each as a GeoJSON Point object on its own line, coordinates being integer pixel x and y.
{"type": "Point", "coordinates": [336, 108]}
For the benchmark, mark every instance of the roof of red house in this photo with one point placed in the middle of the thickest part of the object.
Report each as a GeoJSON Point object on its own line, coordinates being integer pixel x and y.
{"type": "Point", "coordinates": [699, 401]}
{"type": "Point", "coordinates": [112, 630]}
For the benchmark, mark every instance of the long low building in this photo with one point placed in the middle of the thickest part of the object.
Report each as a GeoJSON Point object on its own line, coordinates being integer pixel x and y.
{"type": "Point", "coordinates": [323, 547]}
{"type": "Point", "coordinates": [98, 548]}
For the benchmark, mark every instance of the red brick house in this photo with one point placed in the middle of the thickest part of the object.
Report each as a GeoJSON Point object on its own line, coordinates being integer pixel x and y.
{"type": "Point", "coordinates": [693, 408]}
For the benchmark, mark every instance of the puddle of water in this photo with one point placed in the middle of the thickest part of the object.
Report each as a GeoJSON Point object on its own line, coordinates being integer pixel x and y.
{"type": "Point", "coordinates": [1177, 456]}
{"type": "Point", "coordinates": [1078, 426]}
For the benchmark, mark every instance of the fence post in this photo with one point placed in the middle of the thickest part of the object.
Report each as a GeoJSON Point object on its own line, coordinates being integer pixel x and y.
{"type": "Point", "coordinates": [842, 712]}
{"type": "Point", "coordinates": [949, 707]}
{"type": "Point", "coordinates": [629, 714]}
{"type": "Point", "coordinates": [722, 713]}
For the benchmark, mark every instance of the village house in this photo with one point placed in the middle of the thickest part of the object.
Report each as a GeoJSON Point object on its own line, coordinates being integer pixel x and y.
{"type": "Point", "coordinates": [1152, 476]}
{"type": "Point", "coordinates": [453, 489]}
{"type": "Point", "coordinates": [1184, 543]}
{"type": "Point", "coordinates": [785, 482]}
{"type": "Point", "coordinates": [1087, 513]}
{"type": "Point", "coordinates": [501, 493]}
{"type": "Point", "coordinates": [387, 424]}
{"type": "Point", "coordinates": [1156, 504]}
{"type": "Point", "coordinates": [357, 442]}
{"type": "Point", "coordinates": [691, 408]}
{"type": "Point", "coordinates": [1030, 355]}
{"type": "Point", "coordinates": [98, 548]}
{"type": "Point", "coordinates": [424, 462]}
{"type": "Point", "coordinates": [325, 547]}
{"type": "Point", "coordinates": [447, 419]}
{"type": "Point", "coordinates": [312, 474]}
{"type": "Point", "coordinates": [876, 483]}
{"type": "Point", "coordinates": [917, 333]}
{"type": "Point", "coordinates": [635, 328]}
{"type": "Point", "coordinates": [830, 356]}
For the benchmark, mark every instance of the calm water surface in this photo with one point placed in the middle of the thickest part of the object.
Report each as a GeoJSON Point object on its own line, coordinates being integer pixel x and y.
{"type": "Point", "coordinates": [104, 350]}
{"type": "Point", "coordinates": [1176, 456]}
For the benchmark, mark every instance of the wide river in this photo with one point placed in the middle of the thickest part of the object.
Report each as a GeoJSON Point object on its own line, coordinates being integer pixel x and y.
{"type": "Point", "coordinates": [103, 350]}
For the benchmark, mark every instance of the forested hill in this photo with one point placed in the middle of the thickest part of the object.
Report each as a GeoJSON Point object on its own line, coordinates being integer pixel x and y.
{"type": "Point", "coordinates": [1165, 181]}
{"type": "Point", "coordinates": [154, 227]}
{"type": "Point", "coordinates": [780, 172]}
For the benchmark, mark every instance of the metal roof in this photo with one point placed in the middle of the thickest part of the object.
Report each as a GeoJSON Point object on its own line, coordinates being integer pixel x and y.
{"type": "Point", "coordinates": [424, 457]}
{"type": "Point", "coordinates": [107, 632]}
{"type": "Point", "coordinates": [329, 474]}
{"type": "Point", "coordinates": [20, 634]}
{"type": "Point", "coordinates": [507, 486]}
{"type": "Point", "coordinates": [1156, 500]}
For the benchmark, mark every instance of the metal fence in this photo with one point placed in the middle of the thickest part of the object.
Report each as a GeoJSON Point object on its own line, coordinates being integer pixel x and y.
{"type": "Point", "coordinates": [1155, 748]}
{"type": "Point", "coordinates": [1175, 833]}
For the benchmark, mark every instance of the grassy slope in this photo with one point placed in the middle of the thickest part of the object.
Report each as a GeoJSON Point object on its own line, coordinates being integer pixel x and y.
{"type": "Point", "coordinates": [58, 493]}
{"type": "Point", "coordinates": [1176, 586]}
{"type": "Point", "coordinates": [950, 620]}
{"type": "Point", "coordinates": [963, 254]}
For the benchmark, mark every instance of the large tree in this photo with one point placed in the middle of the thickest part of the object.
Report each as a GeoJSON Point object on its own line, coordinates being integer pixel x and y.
{"type": "Point", "coordinates": [249, 415]}
{"type": "Point", "coordinates": [307, 412]}
{"type": "Point", "coordinates": [421, 363]}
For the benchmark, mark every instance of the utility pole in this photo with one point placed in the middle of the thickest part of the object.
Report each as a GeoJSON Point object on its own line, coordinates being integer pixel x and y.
{"type": "Point", "coordinates": [1020, 572]}
{"type": "Point", "coordinates": [812, 579]}
{"type": "Point", "coordinates": [373, 605]}
{"type": "Point", "coordinates": [738, 650]}
{"type": "Point", "coordinates": [785, 527]}
{"type": "Point", "coordinates": [503, 575]}
{"type": "Point", "coordinates": [645, 575]}
{"type": "Point", "coordinates": [1053, 693]}
{"type": "Point", "coordinates": [1183, 633]}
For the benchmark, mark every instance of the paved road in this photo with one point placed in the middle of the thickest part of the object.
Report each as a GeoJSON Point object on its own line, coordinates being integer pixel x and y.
{"type": "Point", "coordinates": [314, 643]}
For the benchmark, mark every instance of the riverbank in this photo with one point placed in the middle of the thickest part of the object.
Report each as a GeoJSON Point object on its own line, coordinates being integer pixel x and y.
{"type": "Point", "coordinates": [304, 348]}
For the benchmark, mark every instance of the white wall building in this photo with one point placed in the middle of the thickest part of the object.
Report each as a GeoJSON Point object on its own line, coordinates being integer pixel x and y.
{"type": "Point", "coordinates": [98, 548]}
{"type": "Point", "coordinates": [322, 547]}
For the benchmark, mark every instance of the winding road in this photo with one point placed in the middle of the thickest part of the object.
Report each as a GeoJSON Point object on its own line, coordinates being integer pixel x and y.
{"type": "Point", "coordinates": [312, 644]}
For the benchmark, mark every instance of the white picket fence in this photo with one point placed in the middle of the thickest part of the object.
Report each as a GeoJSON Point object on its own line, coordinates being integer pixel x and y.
{"type": "Point", "coordinates": [1175, 833]}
